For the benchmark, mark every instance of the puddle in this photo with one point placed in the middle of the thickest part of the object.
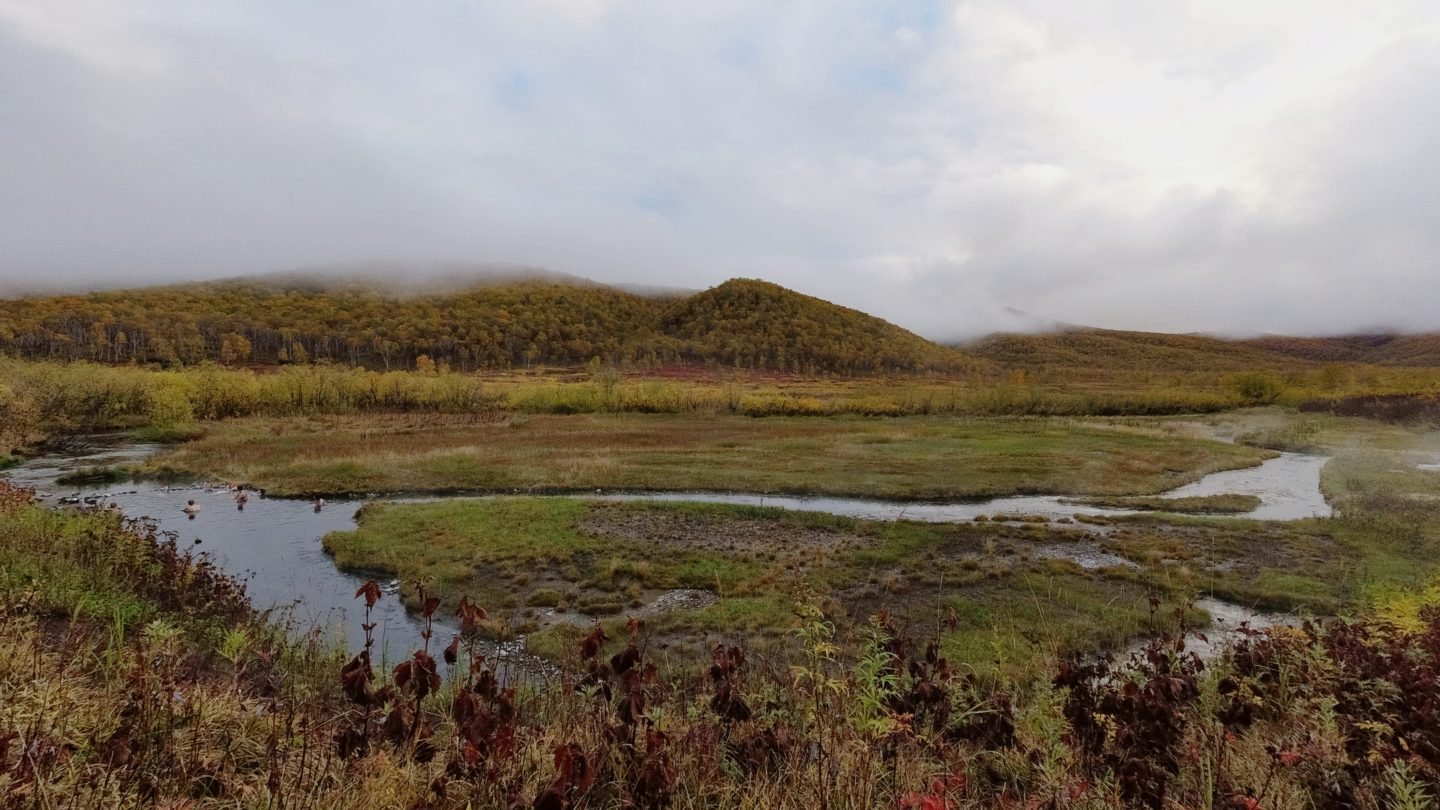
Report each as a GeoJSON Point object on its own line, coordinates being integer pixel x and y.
{"type": "Point", "coordinates": [678, 599]}
{"type": "Point", "coordinates": [1087, 557]}
{"type": "Point", "coordinates": [1226, 621]}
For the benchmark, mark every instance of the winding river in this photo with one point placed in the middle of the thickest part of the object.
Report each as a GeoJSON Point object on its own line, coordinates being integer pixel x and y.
{"type": "Point", "coordinates": [1288, 487]}
{"type": "Point", "coordinates": [274, 544]}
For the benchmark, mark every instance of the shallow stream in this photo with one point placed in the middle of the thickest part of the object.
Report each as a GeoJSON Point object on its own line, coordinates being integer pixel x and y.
{"type": "Point", "coordinates": [1288, 487]}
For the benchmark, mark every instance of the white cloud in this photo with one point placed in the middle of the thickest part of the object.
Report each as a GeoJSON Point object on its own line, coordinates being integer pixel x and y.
{"type": "Point", "coordinates": [1205, 164]}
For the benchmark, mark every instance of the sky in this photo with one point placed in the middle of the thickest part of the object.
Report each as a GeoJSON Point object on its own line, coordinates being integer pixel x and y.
{"type": "Point", "coordinates": [956, 167]}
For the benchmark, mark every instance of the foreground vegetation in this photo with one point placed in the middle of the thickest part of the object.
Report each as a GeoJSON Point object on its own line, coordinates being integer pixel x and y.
{"type": "Point", "coordinates": [171, 693]}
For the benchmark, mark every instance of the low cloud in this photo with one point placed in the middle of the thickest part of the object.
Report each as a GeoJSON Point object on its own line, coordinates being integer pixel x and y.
{"type": "Point", "coordinates": [1201, 165]}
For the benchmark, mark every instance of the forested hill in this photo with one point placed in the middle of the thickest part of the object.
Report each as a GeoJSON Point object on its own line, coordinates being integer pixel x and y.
{"type": "Point", "coordinates": [504, 324]}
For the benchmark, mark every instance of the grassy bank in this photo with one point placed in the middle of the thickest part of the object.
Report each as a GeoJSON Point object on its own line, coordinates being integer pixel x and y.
{"type": "Point", "coordinates": [910, 458]}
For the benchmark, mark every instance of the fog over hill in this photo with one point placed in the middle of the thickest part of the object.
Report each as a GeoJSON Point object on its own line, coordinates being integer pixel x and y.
{"type": "Point", "coordinates": [1205, 168]}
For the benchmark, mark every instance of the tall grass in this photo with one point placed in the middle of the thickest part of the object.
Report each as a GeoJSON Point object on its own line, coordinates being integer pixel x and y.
{"type": "Point", "coordinates": [87, 396]}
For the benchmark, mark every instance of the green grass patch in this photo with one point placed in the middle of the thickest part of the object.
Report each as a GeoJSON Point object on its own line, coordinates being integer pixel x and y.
{"type": "Point", "coordinates": [1015, 608]}
{"type": "Point", "coordinates": [545, 597]}
{"type": "Point", "coordinates": [1013, 628]}
{"type": "Point", "coordinates": [737, 617]}
{"type": "Point", "coordinates": [165, 434]}
{"type": "Point", "coordinates": [454, 543]}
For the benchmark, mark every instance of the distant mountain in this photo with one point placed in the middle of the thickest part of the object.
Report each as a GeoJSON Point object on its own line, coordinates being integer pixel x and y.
{"type": "Point", "coordinates": [1377, 349]}
{"type": "Point", "coordinates": [1109, 349]}
{"type": "Point", "coordinates": [1112, 349]}
{"type": "Point", "coordinates": [361, 317]}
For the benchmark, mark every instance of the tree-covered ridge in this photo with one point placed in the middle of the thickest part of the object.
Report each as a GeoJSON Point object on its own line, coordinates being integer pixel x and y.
{"type": "Point", "coordinates": [499, 325]}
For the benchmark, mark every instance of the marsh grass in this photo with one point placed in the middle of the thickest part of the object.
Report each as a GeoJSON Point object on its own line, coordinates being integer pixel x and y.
{"type": "Point", "coordinates": [1011, 602]}
{"type": "Point", "coordinates": [1013, 606]}
{"type": "Point", "coordinates": [906, 458]}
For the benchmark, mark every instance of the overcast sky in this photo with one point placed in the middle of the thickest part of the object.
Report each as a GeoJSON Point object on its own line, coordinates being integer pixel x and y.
{"type": "Point", "coordinates": [1181, 166]}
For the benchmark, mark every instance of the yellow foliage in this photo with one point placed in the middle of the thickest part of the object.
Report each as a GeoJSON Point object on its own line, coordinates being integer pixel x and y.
{"type": "Point", "coordinates": [1402, 609]}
